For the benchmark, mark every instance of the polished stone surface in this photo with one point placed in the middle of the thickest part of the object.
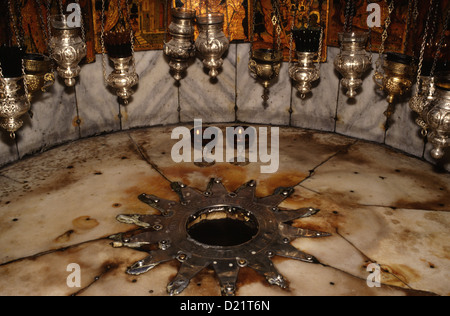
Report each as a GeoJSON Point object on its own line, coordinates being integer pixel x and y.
{"type": "Point", "coordinates": [380, 206]}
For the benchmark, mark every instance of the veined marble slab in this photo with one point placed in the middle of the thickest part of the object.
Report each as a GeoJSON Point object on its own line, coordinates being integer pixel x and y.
{"type": "Point", "coordinates": [206, 99]}
{"type": "Point", "coordinates": [318, 109]}
{"type": "Point", "coordinates": [97, 104]}
{"type": "Point", "coordinates": [155, 101]}
{"type": "Point", "coordinates": [403, 132]}
{"type": "Point", "coordinates": [54, 120]}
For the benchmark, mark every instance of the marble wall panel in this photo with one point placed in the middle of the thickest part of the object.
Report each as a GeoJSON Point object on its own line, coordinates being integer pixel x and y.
{"type": "Point", "coordinates": [155, 101]}
{"type": "Point", "coordinates": [8, 149]}
{"type": "Point", "coordinates": [235, 95]}
{"type": "Point", "coordinates": [251, 107]}
{"type": "Point", "coordinates": [318, 109]}
{"type": "Point", "coordinates": [98, 108]}
{"type": "Point", "coordinates": [54, 120]}
{"type": "Point", "coordinates": [403, 133]}
{"type": "Point", "coordinates": [206, 99]}
{"type": "Point", "coordinates": [362, 116]}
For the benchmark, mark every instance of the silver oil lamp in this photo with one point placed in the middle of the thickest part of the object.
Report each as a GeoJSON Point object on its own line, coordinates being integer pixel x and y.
{"type": "Point", "coordinates": [67, 48]}
{"type": "Point", "coordinates": [437, 117]}
{"type": "Point", "coordinates": [423, 96]}
{"type": "Point", "coordinates": [122, 79]}
{"type": "Point", "coordinates": [304, 72]}
{"type": "Point", "coordinates": [265, 64]}
{"type": "Point", "coordinates": [180, 49]}
{"type": "Point", "coordinates": [211, 42]}
{"type": "Point", "coordinates": [352, 62]}
{"type": "Point", "coordinates": [14, 98]}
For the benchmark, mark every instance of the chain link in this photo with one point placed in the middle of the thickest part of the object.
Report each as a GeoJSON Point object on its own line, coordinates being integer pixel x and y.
{"type": "Point", "coordinates": [252, 29]}
{"type": "Point", "coordinates": [83, 31]}
{"type": "Point", "coordinates": [441, 42]}
{"type": "Point", "coordinates": [276, 21]}
{"type": "Point", "coordinates": [291, 37]}
{"type": "Point", "coordinates": [424, 42]}
{"type": "Point", "coordinates": [384, 36]}
{"type": "Point", "coordinates": [102, 41]}
{"type": "Point", "coordinates": [369, 39]}
{"type": "Point", "coordinates": [133, 61]}
{"type": "Point", "coordinates": [49, 27]}
{"type": "Point", "coordinates": [14, 24]}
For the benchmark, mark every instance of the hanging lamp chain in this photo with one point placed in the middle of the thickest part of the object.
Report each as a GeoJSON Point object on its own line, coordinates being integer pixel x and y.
{"type": "Point", "coordinates": [252, 29]}
{"type": "Point", "coordinates": [430, 16]}
{"type": "Point", "coordinates": [19, 39]}
{"type": "Point", "coordinates": [133, 61]}
{"type": "Point", "coordinates": [102, 41]}
{"type": "Point", "coordinates": [440, 44]}
{"type": "Point", "coordinates": [291, 37]}
{"type": "Point", "coordinates": [384, 36]}
{"type": "Point", "coordinates": [276, 21]}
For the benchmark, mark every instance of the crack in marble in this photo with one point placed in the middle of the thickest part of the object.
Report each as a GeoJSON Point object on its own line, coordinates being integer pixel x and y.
{"type": "Point", "coordinates": [147, 159]}
{"type": "Point", "coordinates": [107, 269]}
{"type": "Point", "coordinates": [313, 170]}
{"type": "Point", "coordinates": [47, 252]}
{"type": "Point", "coordinates": [368, 259]}
{"type": "Point", "coordinates": [403, 208]}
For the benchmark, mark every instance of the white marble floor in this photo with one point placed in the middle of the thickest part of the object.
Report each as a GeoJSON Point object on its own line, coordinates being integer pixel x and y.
{"type": "Point", "coordinates": [380, 206]}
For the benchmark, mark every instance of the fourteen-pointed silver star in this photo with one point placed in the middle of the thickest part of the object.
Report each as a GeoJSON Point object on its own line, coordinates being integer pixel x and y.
{"type": "Point", "coordinates": [225, 230]}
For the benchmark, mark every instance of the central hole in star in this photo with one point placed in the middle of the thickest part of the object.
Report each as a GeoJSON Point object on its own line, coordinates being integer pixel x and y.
{"type": "Point", "coordinates": [223, 226]}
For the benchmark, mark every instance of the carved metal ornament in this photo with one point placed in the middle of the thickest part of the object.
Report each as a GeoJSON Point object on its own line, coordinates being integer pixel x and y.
{"type": "Point", "coordinates": [422, 99]}
{"type": "Point", "coordinates": [38, 72]}
{"type": "Point", "coordinates": [122, 79]}
{"type": "Point", "coordinates": [180, 49]}
{"type": "Point", "coordinates": [265, 65]}
{"type": "Point", "coordinates": [13, 104]}
{"type": "Point", "coordinates": [304, 72]}
{"type": "Point", "coordinates": [307, 46]}
{"type": "Point", "coordinates": [397, 78]}
{"type": "Point", "coordinates": [67, 49]}
{"type": "Point", "coordinates": [352, 62]}
{"type": "Point", "coordinates": [217, 228]}
{"type": "Point", "coordinates": [211, 42]}
{"type": "Point", "coordinates": [437, 118]}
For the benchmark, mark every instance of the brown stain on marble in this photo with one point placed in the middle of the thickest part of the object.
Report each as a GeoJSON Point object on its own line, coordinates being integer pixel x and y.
{"type": "Point", "coordinates": [398, 275]}
{"type": "Point", "coordinates": [266, 186]}
{"type": "Point", "coordinates": [85, 222]}
{"type": "Point", "coordinates": [65, 237]}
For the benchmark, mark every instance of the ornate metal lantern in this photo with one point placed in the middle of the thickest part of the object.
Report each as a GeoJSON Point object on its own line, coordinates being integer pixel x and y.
{"type": "Point", "coordinates": [422, 98]}
{"type": "Point", "coordinates": [397, 78]}
{"type": "Point", "coordinates": [122, 78]}
{"type": "Point", "coordinates": [308, 47]}
{"type": "Point", "coordinates": [14, 97]}
{"type": "Point", "coordinates": [38, 72]}
{"type": "Point", "coordinates": [67, 48]}
{"type": "Point", "coordinates": [352, 62]}
{"type": "Point", "coordinates": [265, 65]}
{"type": "Point", "coordinates": [211, 42]}
{"type": "Point", "coordinates": [437, 117]}
{"type": "Point", "coordinates": [14, 103]}
{"type": "Point", "coordinates": [180, 49]}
